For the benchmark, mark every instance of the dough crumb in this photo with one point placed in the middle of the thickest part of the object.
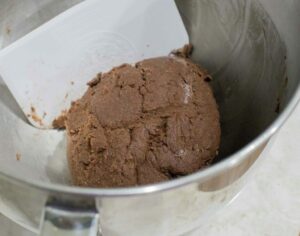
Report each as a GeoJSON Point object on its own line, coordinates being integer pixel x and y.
{"type": "Point", "coordinates": [18, 156]}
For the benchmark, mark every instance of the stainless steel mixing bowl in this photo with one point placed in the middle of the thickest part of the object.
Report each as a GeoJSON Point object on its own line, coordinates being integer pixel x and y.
{"type": "Point", "coordinates": [252, 49]}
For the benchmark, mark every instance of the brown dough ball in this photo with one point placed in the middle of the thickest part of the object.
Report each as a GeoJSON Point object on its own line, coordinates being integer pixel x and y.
{"type": "Point", "coordinates": [143, 124]}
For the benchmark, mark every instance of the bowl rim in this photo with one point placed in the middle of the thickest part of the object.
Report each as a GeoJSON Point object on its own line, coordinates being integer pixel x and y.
{"type": "Point", "coordinates": [200, 176]}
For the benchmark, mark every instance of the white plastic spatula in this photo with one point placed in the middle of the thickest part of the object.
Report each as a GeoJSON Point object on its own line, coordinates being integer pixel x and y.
{"type": "Point", "coordinates": [49, 68]}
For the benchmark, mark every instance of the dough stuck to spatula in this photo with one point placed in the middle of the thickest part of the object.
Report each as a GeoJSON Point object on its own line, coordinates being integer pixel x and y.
{"type": "Point", "coordinates": [142, 124]}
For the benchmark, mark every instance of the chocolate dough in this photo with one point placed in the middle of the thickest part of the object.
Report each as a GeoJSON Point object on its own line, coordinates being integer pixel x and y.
{"type": "Point", "coordinates": [142, 124]}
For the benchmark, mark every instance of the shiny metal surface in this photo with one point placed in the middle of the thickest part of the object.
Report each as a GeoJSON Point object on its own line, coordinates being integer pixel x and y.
{"type": "Point", "coordinates": [252, 49]}
{"type": "Point", "coordinates": [63, 221]}
{"type": "Point", "coordinates": [246, 57]}
{"type": "Point", "coordinates": [18, 18]}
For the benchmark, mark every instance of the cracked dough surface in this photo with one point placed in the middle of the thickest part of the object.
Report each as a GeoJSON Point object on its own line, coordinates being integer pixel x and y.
{"type": "Point", "coordinates": [143, 124]}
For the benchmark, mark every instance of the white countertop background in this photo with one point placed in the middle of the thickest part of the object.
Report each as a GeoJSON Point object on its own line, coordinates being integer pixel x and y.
{"type": "Point", "coordinates": [269, 205]}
